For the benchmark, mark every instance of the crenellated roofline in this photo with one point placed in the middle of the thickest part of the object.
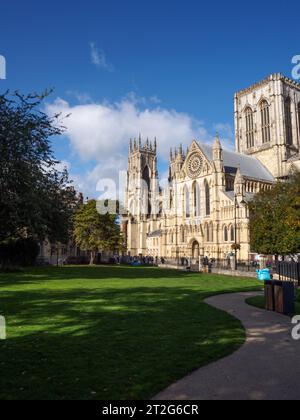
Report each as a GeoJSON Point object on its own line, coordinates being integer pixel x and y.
{"type": "Point", "coordinates": [272, 77]}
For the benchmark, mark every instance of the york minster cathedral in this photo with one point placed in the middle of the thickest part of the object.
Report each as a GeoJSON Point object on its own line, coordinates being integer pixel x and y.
{"type": "Point", "coordinates": [203, 211]}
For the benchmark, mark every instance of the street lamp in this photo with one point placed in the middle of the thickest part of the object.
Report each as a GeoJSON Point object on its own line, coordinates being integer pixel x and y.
{"type": "Point", "coordinates": [236, 207]}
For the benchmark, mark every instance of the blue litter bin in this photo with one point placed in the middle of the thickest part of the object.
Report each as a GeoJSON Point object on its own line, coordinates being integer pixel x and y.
{"type": "Point", "coordinates": [263, 275]}
{"type": "Point", "coordinates": [136, 264]}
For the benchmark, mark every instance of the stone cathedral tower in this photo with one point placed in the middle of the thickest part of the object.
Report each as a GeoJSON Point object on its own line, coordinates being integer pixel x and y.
{"type": "Point", "coordinates": [267, 123]}
{"type": "Point", "coordinates": [141, 194]}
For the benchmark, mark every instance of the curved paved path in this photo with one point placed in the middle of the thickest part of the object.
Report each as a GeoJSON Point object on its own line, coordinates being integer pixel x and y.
{"type": "Point", "coordinates": [266, 367]}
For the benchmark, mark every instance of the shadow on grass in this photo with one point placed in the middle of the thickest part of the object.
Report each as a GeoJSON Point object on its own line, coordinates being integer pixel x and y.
{"type": "Point", "coordinates": [109, 343]}
{"type": "Point", "coordinates": [38, 274]}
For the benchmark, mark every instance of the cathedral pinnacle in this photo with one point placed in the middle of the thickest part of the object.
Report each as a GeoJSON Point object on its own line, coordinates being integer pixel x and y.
{"type": "Point", "coordinates": [239, 179]}
{"type": "Point", "coordinates": [217, 142]}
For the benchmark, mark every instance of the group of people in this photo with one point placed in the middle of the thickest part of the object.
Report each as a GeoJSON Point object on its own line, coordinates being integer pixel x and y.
{"type": "Point", "coordinates": [147, 260]}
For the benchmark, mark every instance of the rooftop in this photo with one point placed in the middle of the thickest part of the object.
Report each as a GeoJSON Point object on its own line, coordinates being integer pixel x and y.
{"type": "Point", "coordinates": [272, 77]}
{"type": "Point", "coordinates": [250, 167]}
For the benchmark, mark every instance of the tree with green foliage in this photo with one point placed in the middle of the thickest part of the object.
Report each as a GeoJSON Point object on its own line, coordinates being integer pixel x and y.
{"type": "Point", "coordinates": [275, 219]}
{"type": "Point", "coordinates": [96, 232]}
{"type": "Point", "coordinates": [35, 198]}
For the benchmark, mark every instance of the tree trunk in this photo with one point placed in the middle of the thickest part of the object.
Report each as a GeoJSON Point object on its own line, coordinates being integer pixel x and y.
{"type": "Point", "coordinates": [92, 260]}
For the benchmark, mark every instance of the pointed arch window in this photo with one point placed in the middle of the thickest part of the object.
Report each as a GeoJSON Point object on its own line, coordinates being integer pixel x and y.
{"type": "Point", "coordinates": [225, 234]}
{"type": "Point", "coordinates": [211, 233]}
{"type": "Point", "coordinates": [207, 198]}
{"type": "Point", "coordinates": [171, 199]}
{"type": "Point", "coordinates": [265, 122]}
{"type": "Point", "coordinates": [207, 233]}
{"type": "Point", "coordinates": [187, 203]}
{"type": "Point", "coordinates": [196, 199]}
{"type": "Point", "coordinates": [182, 234]}
{"type": "Point", "coordinates": [171, 238]}
{"type": "Point", "coordinates": [146, 189]}
{"type": "Point", "coordinates": [288, 121]}
{"type": "Point", "coordinates": [249, 127]}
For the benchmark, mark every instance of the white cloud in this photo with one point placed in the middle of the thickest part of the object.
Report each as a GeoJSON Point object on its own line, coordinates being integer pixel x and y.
{"type": "Point", "coordinates": [81, 97]}
{"type": "Point", "coordinates": [100, 132]}
{"type": "Point", "coordinates": [99, 59]}
{"type": "Point", "coordinates": [155, 100]}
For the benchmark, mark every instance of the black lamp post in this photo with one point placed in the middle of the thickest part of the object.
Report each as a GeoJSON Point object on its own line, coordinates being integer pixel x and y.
{"type": "Point", "coordinates": [236, 207]}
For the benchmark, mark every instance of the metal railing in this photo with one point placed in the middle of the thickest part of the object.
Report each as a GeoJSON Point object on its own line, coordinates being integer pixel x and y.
{"type": "Point", "coordinates": [242, 265]}
{"type": "Point", "coordinates": [289, 271]}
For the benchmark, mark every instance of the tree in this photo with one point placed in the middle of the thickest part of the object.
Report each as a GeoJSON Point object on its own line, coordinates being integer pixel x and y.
{"type": "Point", "coordinates": [275, 219]}
{"type": "Point", "coordinates": [35, 198]}
{"type": "Point", "coordinates": [94, 232]}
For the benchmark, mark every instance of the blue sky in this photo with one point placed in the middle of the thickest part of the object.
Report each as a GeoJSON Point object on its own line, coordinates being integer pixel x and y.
{"type": "Point", "coordinates": [164, 68]}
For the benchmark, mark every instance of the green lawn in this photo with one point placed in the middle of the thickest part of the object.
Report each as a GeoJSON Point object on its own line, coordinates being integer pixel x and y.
{"type": "Point", "coordinates": [259, 302]}
{"type": "Point", "coordinates": [110, 332]}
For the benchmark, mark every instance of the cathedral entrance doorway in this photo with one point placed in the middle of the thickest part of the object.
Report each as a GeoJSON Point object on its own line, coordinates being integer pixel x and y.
{"type": "Point", "coordinates": [195, 250]}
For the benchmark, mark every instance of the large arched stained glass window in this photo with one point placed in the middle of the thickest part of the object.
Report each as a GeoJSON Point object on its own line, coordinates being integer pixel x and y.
{"type": "Point", "coordinates": [207, 198]}
{"type": "Point", "coordinates": [196, 199]}
{"type": "Point", "coordinates": [147, 189]}
{"type": "Point", "coordinates": [225, 234]}
{"type": "Point", "coordinates": [186, 202]}
{"type": "Point", "coordinates": [265, 121]}
{"type": "Point", "coordinates": [249, 127]}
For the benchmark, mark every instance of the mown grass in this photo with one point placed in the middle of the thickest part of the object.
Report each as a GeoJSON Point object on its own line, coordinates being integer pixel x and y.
{"type": "Point", "coordinates": [110, 332]}
{"type": "Point", "coordinates": [259, 302]}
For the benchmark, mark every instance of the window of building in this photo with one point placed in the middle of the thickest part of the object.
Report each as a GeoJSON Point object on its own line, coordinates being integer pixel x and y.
{"type": "Point", "coordinates": [207, 198]}
{"type": "Point", "coordinates": [182, 235]}
{"type": "Point", "coordinates": [249, 128]}
{"type": "Point", "coordinates": [211, 233]}
{"type": "Point", "coordinates": [196, 199]}
{"type": "Point", "coordinates": [265, 122]}
{"type": "Point", "coordinates": [146, 188]}
{"type": "Point", "coordinates": [187, 202]}
{"type": "Point", "coordinates": [225, 234]}
{"type": "Point", "coordinates": [288, 121]}
{"type": "Point", "coordinates": [207, 233]}
{"type": "Point", "coordinates": [171, 199]}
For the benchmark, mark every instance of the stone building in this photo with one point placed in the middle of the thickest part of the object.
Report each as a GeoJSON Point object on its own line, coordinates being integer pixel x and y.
{"type": "Point", "coordinates": [267, 123]}
{"type": "Point", "coordinates": [203, 210]}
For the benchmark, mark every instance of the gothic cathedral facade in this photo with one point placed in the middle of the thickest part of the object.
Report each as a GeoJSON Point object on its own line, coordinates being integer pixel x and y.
{"type": "Point", "coordinates": [202, 211]}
